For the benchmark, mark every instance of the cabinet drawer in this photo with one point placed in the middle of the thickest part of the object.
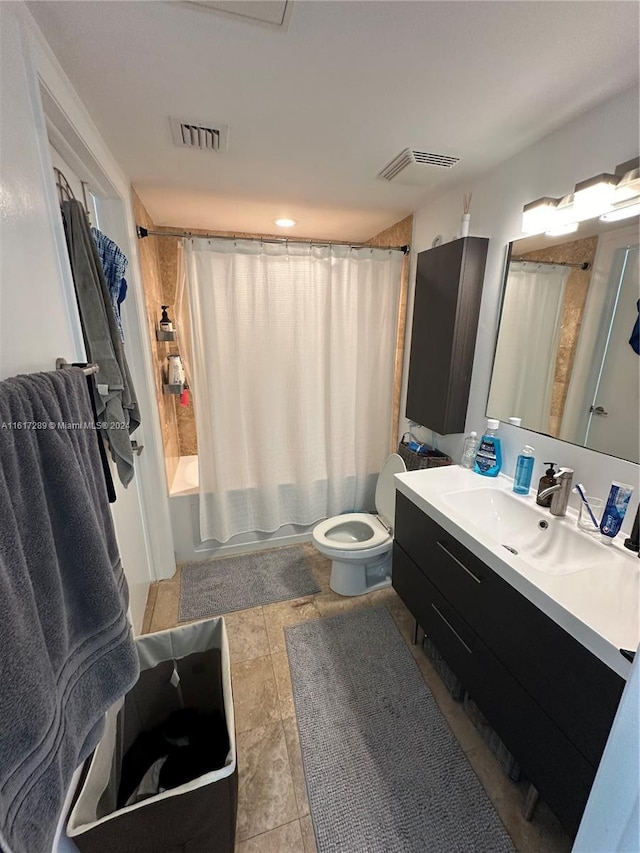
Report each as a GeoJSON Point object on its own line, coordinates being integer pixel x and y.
{"type": "Point", "coordinates": [549, 759]}
{"type": "Point", "coordinates": [578, 691]}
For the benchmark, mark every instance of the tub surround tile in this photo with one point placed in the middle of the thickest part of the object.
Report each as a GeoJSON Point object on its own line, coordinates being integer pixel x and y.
{"type": "Point", "coordinates": [266, 796]}
{"type": "Point", "coordinates": [283, 683]}
{"type": "Point", "coordinates": [283, 839]}
{"type": "Point", "coordinates": [247, 634]}
{"type": "Point", "coordinates": [255, 697]}
{"type": "Point", "coordinates": [292, 739]}
{"type": "Point", "coordinates": [278, 616]}
{"type": "Point", "coordinates": [308, 835]}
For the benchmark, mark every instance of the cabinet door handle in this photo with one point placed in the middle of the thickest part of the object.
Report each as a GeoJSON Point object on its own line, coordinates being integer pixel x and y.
{"type": "Point", "coordinates": [461, 564]}
{"type": "Point", "coordinates": [451, 628]}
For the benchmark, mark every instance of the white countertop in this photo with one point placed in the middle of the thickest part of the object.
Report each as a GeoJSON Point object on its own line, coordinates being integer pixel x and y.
{"type": "Point", "coordinates": [599, 607]}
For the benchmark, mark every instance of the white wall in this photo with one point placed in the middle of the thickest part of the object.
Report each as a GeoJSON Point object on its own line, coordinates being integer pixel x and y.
{"type": "Point", "coordinates": [595, 142]}
{"type": "Point", "coordinates": [38, 319]}
{"type": "Point", "coordinates": [76, 137]}
{"type": "Point", "coordinates": [38, 314]}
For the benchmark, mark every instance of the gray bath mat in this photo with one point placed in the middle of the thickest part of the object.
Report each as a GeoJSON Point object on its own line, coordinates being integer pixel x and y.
{"type": "Point", "coordinates": [212, 587]}
{"type": "Point", "coordinates": [384, 772]}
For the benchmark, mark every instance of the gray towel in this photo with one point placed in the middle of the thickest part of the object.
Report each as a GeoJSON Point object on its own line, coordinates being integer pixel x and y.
{"type": "Point", "coordinates": [118, 407]}
{"type": "Point", "coordinates": [66, 651]}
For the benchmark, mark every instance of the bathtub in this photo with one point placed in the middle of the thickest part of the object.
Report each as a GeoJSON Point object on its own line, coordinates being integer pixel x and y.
{"type": "Point", "coordinates": [185, 522]}
{"type": "Point", "coordinates": [186, 479]}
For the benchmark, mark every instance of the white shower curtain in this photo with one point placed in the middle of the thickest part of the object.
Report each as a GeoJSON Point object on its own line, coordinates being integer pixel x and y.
{"type": "Point", "coordinates": [522, 383]}
{"type": "Point", "coordinates": [292, 365]}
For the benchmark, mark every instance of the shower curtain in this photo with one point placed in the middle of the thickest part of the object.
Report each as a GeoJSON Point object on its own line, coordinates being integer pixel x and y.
{"type": "Point", "coordinates": [291, 358]}
{"type": "Point", "coordinates": [522, 386]}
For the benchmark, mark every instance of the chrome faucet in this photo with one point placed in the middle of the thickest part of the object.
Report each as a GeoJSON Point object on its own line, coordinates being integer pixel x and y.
{"type": "Point", "coordinates": [561, 491]}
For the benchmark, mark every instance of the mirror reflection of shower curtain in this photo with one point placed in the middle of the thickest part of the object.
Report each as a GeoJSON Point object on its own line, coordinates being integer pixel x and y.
{"type": "Point", "coordinates": [293, 353]}
{"type": "Point", "coordinates": [530, 322]}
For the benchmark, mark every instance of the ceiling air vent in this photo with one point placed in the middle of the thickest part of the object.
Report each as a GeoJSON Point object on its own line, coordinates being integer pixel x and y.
{"type": "Point", "coordinates": [409, 166]}
{"type": "Point", "coordinates": [206, 136]}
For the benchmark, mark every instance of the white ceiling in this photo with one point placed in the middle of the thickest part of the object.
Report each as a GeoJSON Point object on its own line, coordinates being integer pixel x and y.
{"type": "Point", "coordinates": [318, 108]}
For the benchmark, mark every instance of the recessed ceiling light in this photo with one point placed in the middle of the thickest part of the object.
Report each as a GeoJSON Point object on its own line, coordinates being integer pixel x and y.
{"type": "Point", "coordinates": [286, 223]}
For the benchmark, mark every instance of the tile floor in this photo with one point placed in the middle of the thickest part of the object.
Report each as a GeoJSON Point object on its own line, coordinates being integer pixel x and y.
{"type": "Point", "coordinates": [273, 810]}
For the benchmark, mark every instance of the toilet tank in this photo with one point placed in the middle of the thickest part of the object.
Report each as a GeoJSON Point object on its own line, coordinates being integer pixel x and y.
{"type": "Point", "coordinates": [386, 488]}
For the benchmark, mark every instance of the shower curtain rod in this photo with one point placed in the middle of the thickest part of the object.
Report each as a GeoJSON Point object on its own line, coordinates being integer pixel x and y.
{"type": "Point", "coordinates": [585, 265]}
{"type": "Point", "coordinates": [188, 235]}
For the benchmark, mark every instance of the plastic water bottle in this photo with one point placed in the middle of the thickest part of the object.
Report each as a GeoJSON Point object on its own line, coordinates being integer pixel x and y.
{"type": "Point", "coordinates": [524, 469]}
{"type": "Point", "coordinates": [469, 451]}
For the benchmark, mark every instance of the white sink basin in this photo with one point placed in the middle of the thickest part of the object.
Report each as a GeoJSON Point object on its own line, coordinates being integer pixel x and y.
{"type": "Point", "coordinates": [546, 543]}
{"type": "Point", "coordinates": [590, 589]}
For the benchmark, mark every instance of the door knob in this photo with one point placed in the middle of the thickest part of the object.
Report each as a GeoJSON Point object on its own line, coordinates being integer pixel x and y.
{"type": "Point", "coordinates": [598, 410]}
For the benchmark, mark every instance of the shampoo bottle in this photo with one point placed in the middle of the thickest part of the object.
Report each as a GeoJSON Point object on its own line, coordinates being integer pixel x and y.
{"type": "Point", "coordinates": [524, 470]}
{"type": "Point", "coordinates": [489, 456]}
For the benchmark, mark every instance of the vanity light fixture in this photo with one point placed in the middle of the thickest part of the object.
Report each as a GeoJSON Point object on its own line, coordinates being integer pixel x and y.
{"type": "Point", "coordinates": [537, 216]}
{"type": "Point", "coordinates": [606, 196]}
{"type": "Point", "coordinates": [285, 223]}
{"type": "Point", "coordinates": [629, 185]}
{"type": "Point", "coordinates": [594, 196]}
{"type": "Point", "coordinates": [562, 219]}
{"type": "Point", "coordinates": [559, 230]}
{"type": "Point", "coordinates": [622, 212]}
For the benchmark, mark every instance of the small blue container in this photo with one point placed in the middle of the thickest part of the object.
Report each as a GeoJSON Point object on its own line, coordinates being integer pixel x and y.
{"type": "Point", "coordinates": [524, 470]}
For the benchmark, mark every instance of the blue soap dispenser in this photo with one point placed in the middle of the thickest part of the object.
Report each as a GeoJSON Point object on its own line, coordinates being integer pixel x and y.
{"type": "Point", "coordinates": [524, 470]}
{"type": "Point", "coordinates": [489, 456]}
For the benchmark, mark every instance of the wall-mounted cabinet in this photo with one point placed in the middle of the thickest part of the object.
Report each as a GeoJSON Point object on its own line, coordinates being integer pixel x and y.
{"type": "Point", "coordinates": [445, 322]}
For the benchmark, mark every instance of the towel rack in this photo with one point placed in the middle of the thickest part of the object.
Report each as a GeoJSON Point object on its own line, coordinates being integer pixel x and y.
{"type": "Point", "coordinates": [87, 369]}
{"type": "Point", "coordinates": [65, 193]}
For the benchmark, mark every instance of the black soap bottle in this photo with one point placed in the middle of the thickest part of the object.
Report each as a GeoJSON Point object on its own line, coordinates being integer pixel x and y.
{"type": "Point", "coordinates": [549, 479]}
{"type": "Point", "coordinates": [165, 323]}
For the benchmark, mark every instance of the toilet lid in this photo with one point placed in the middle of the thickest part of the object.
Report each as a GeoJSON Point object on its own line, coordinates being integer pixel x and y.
{"type": "Point", "coordinates": [386, 488]}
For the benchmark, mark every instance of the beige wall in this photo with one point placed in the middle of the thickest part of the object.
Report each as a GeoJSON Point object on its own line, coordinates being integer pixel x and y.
{"type": "Point", "coordinates": [149, 255]}
{"type": "Point", "coordinates": [399, 234]}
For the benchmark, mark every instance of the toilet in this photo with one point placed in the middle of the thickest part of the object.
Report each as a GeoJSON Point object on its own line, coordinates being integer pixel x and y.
{"type": "Point", "coordinates": [359, 543]}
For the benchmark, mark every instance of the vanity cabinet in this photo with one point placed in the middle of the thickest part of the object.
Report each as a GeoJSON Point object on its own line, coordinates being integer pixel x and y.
{"type": "Point", "coordinates": [443, 336]}
{"type": "Point", "coordinates": [550, 700]}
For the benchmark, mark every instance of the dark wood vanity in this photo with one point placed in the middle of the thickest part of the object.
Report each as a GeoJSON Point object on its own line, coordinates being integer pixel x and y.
{"type": "Point", "coordinates": [550, 700]}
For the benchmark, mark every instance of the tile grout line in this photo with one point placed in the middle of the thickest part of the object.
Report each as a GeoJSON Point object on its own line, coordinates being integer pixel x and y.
{"type": "Point", "coordinates": [286, 744]}
{"type": "Point", "coordinates": [267, 831]}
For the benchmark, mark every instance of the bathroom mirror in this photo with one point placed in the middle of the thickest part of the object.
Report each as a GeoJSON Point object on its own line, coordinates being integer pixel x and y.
{"type": "Point", "coordinates": [566, 360]}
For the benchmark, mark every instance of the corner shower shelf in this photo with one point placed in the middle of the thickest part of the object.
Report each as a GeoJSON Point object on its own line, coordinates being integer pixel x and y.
{"type": "Point", "coordinates": [168, 388]}
{"type": "Point", "coordinates": [162, 335]}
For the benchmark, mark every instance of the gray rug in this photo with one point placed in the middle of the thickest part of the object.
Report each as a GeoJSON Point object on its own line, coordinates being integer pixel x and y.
{"type": "Point", "coordinates": [384, 772]}
{"type": "Point", "coordinates": [212, 587]}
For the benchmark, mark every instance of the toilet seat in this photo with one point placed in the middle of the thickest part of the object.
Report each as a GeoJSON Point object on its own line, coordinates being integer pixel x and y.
{"type": "Point", "coordinates": [342, 532]}
{"type": "Point", "coordinates": [358, 543]}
